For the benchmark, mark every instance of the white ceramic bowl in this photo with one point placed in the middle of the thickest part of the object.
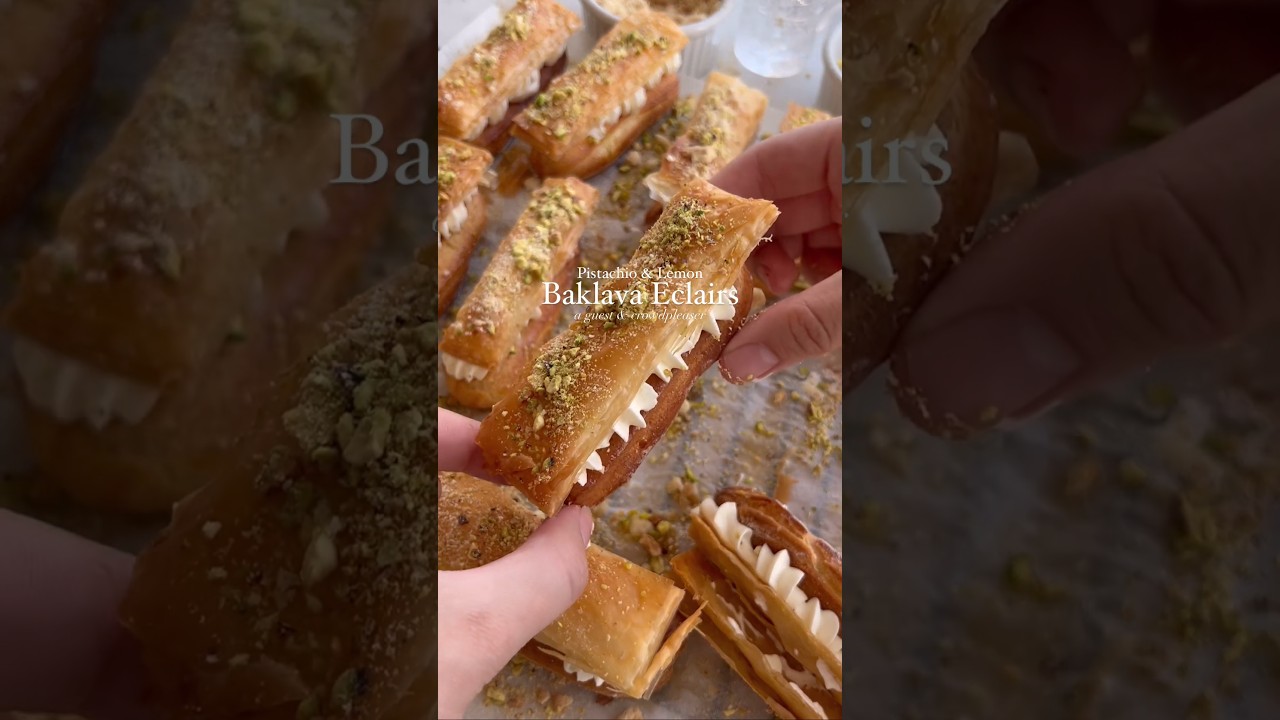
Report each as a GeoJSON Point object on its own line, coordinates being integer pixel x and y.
{"type": "Point", "coordinates": [831, 96]}
{"type": "Point", "coordinates": [699, 56]}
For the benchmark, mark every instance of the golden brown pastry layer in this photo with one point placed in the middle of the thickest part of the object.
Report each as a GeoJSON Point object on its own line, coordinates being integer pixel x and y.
{"type": "Point", "coordinates": [486, 350]}
{"type": "Point", "coordinates": [773, 594]}
{"type": "Point", "coordinates": [300, 580]}
{"type": "Point", "coordinates": [602, 96]}
{"type": "Point", "coordinates": [477, 91]}
{"type": "Point", "coordinates": [591, 382]}
{"type": "Point", "coordinates": [872, 319]}
{"type": "Point", "coordinates": [621, 630]}
{"type": "Point", "coordinates": [725, 120]}
{"type": "Point", "coordinates": [148, 466]}
{"type": "Point", "coordinates": [172, 225]}
{"type": "Point", "coordinates": [799, 116]}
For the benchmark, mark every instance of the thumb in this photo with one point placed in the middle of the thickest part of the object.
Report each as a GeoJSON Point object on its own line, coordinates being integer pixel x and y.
{"type": "Point", "coordinates": [1171, 248]}
{"type": "Point", "coordinates": [800, 327]}
{"type": "Point", "coordinates": [487, 614]}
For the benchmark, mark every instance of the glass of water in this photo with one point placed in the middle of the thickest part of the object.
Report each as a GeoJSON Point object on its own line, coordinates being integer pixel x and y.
{"type": "Point", "coordinates": [775, 37]}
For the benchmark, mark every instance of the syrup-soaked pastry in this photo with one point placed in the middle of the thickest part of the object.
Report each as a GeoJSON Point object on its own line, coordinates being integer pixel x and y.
{"type": "Point", "coordinates": [621, 635]}
{"type": "Point", "coordinates": [772, 596]}
{"type": "Point", "coordinates": [146, 467]}
{"type": "Point", "coordinates": [462, 174]}
{"type": "Point", "coordinates": [167, 237]}
{"type": "Point", "coordinates": [300, 582]}
{"type": "Point", "coordinates": [919, 97]}
{"type": "Point", "coordinates": [592, 113]}
{"type": "Point", "coordinates": [47, 50]}
{"type": "Point", "coordinates": [799, 116]}
{"type": "Point", "coordinates": [483, 90]}
{"type": "Point", "coordinates": [603, 392]}
{"type": "Point", "coordinates": [178, 238]}
{"type": "Point", "coordinates": [488, 348]}
{"type": "Point", "coordinates": [725, 120]}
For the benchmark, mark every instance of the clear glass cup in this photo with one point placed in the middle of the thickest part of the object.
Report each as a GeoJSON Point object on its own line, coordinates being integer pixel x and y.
{"type": "Point", "coordinates": [775, 37]}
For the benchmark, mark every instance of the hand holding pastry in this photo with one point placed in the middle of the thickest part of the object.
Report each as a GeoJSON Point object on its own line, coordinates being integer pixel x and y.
{"type": "Point", "coordinates": [1162, 250]}
{"type": "Point", "coordinates": [483, 624]}
{"type": "Point", "coordinates": [800, 172]}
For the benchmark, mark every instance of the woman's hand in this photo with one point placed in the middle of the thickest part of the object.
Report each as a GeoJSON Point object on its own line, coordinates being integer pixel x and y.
{"type": "Point", "coordinates": [800, 171]}
{"type": "Point", "coordinates": [487, 614]}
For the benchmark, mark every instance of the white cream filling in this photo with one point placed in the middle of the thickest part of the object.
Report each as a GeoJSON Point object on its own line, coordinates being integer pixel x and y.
{"type": "Point", "coordinates": [528, 89]}
{"type": "Point", "coordinates": [776, 571]}
{"type": "Point", "coordinates": [461, 369]}
{"type": "Point", "coordinates": [583, 675]}
{"type": "Point", "coordinates": [456, 218]}
{"type": "Point", "coordinates": [70, 390]}
{"type": "Point", "coordinates": [906, 208]}
{"type": "Point", "coordinates": [636, 101]}
{"type": "Point", "coordinates": [646, 398]}
{"type": "Point", "coordinates": [778, 665]}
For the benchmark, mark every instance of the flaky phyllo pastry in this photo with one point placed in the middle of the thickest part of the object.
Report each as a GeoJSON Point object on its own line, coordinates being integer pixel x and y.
{"type": "Point", "coordinates": [506, 69]}
{"type": "Point", "coordinates": [602, 393]}
{"type": "Point", "coordinates": [300, 581]}
{"type": "Point", "coordinates": [207, 240]}
{"type": "Point", "coordinates": [799, 116]}
{"type": "Point", "coordinates": [725, 121]}
{"type": "Point", "coordinates": [772, 593]}
{"type": "Point", "coordinates": [589, 115]}
{"type": "Point", "coordinates": [462, 175]}
{"type": "Point", "coordinates": [487, 349]}
{"type": "Point", "coordinates": [621, 635]}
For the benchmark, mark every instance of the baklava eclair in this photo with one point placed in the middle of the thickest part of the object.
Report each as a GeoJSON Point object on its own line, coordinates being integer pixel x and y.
{"type": "Point", "coordinates": [47, 49]}
{"type": "Point", "coordinates": [300, 581]}
{"type": "Point", "coordinates": [166, 248]}
{"type": "Point", "coordinates": [462, 175]}
{"type": "Point", "coordinates": [928, 116]}
{"type": "Point", "coordinates": [772, 595]}
{"type": "Point", "coordinates": [799, 116]}
{"type": "Point", "coordinates": [146, 467]}
{"type": "Point", "coordinates": [621, 635]}
{"type": "Point", "coordinates": [164, 241]}
{"type": "Point", "coordinates": [603, 392]}
{"type": "Point", "coordinates": [486, 88]}
{"type": "Point", "coordinates": [488, 347]}
{"type": "Point", "coordinates": [725, 120]}
{"type": "Point", "coordinates": [593, 112]}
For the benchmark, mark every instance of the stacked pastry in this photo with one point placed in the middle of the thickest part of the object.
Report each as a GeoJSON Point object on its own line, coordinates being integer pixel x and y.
{"type": "Point", "coordinates": [489, 347]}
{"type": "Point", "coordinates": [915, 88]}
{"type": "Point", "coordinates": [592, 113]}
{"type": "Point", "coordinates": [621, 635]}
{"type": "Point", "coordinates": [725, 120]}
{"type": "Point", "coordinates": [205, 244]}
{"type": "Point", "coordinates": [772, 593]}
{"type": "Point", "coordinates": [487, 86]}
{"type": "Point", "coordinates": [462, 176]}
{"type": "Point", "coordinates": [604, 391]}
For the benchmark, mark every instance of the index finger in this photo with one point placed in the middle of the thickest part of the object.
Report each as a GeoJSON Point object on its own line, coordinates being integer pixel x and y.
{"type": "Point", "coordinates": [790, 165]}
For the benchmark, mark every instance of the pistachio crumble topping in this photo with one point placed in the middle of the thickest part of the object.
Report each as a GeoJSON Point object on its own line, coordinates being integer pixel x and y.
{"type": "Point", "coordinates": [563, 105]}
{"type": "Point", "coordinates": [351, 474]}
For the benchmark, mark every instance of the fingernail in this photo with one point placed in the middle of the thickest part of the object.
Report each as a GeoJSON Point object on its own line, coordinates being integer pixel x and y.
{"type": "Point", "coordinates": [586, 525]}
{"type": "Point", "coordinates": [749, 362]}
{"type": "Point", "coordinates": [988, 366]}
